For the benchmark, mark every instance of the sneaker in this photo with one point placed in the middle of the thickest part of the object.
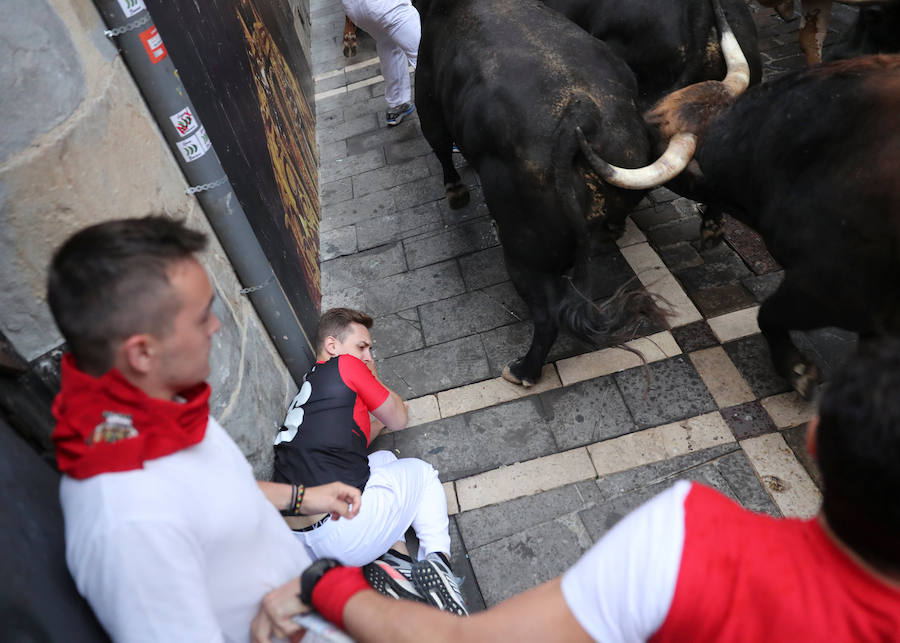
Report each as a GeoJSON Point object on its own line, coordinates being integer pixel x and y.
{"type": "Point", "coordinates": [401, 562]}
{"type": "Point", "coordinates": [434, 580]}
{"type": "Point", "coordinates": [397, 114]}
{"type": "Point", "coordinates": [388, 581]}
{"type": "Point", "coordinates": [455, 149]}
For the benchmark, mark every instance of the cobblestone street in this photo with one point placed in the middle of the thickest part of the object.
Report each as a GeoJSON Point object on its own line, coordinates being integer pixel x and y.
{"type": "Point", "coordinates": [534, 476]}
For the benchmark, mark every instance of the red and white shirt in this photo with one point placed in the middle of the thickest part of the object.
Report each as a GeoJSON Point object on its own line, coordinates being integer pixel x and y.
{"type": "Point", "coordinates": [692, 565]}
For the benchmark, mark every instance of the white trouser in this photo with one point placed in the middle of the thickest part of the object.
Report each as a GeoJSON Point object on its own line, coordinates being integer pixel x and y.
{"type": "Point", "coordinates": [399, 494]}
{"type": "Point", "coordinates": [395, 26]}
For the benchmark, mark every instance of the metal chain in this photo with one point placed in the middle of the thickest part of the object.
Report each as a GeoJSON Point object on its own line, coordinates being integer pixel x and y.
{"type": "Point", "coordinates": [118, 31]}
{"type": "Point", "coordinates": [206, 186]}
{"type": "Point", "coordinates": [267, 282]}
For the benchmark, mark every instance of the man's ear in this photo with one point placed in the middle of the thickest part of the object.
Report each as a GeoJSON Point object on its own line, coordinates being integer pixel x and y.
{"type": "Point", "coordinates": [137, 353]}
{"type": "Point", "coordinates": [812, 433]}
{"type": "Point", "coordinates": [331, 345]}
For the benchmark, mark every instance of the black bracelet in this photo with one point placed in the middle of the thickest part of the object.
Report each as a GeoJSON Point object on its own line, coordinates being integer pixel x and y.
{"type": "Point", "coordinates": [293, 503]}
{"type": "Point", "coordinates": [312, 575]}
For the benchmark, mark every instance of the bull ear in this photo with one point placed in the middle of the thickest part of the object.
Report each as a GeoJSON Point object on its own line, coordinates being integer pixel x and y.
{"type": "Point", "coordinates": [673, 161]}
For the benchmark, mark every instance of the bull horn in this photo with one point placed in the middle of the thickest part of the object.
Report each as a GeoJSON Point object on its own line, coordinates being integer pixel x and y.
{"type": "Point", "coordinates": [737, 79]}
{"type": "Point", "coordinates": [676, 157]}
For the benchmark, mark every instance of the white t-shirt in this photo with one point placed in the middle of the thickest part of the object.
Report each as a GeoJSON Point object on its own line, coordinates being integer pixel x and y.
{"type": "Point", "coordinates": [622, 588]}
{"type": "Point", "coordinates": [181, 550]}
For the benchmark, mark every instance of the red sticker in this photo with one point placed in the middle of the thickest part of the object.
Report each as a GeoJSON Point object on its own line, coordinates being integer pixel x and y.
{"type": "Point", "coordinates": [153, 44]}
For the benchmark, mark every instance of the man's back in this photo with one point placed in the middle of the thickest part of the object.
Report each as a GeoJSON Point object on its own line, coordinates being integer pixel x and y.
{"type": "Point", "coordinates": [692, 565]}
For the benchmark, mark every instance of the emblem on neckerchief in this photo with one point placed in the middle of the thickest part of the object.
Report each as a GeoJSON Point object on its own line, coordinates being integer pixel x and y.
{"type": "Point", "coordinates": [115, 427]}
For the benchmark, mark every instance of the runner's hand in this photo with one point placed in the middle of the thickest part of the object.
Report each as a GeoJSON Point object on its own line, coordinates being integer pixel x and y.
{"type": "Point", "coordinates": [275, 614]}
{"type": "Point", "coordinates": [336, 498]}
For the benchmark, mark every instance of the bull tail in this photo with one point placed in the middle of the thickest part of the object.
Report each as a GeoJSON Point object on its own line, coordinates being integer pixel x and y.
{"type": "Point", "coordinates": [619, 318]}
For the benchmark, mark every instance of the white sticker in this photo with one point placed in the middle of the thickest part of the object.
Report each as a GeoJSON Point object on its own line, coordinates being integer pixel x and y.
{"type": "Point", "coordinates": [184, 121]}
{"type": "Point", "coordinates": [203, 139]}
{"type": "Point", "coordinates": [192, 148]}
{"type": "Point", "coordinates": [131, 7]}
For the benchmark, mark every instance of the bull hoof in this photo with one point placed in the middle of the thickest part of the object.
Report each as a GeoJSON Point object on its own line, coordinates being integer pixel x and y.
{"type": "Point", "coordinates": [507, 374]}
{"type": "Point", "coordinates": [457, 195]}
{"type": "Point", "coordinates": [804, 379]}
{"type": "Point", "coordinates": [711, 233]}
{"type": "Point", "coordinates": [349, 47]}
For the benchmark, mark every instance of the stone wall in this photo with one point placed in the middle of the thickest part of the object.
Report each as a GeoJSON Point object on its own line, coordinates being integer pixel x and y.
{"type": "Point", "coordinates": [79, 146]}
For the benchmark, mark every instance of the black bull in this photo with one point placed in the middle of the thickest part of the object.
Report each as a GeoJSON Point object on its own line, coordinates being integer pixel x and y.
{"type": "Point", "coordinates": [812, 162]}
{"type": "Point", "coordinates": [510, 81]}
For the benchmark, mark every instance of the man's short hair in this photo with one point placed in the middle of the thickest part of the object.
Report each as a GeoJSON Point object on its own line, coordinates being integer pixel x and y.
{"type": "Point", "coordinates": [858, 450]}
{"type": "Point", "coordinates": [336, 323]}
{"type": "Point", "coordinates": [110, 281]}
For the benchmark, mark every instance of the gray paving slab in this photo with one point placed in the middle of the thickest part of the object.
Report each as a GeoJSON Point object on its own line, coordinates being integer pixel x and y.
{"type": "Point", "coordinates": [725, 269]}
{"type": "Point", "coordinates": [679, 256]}
{"type": "Point", "coordinates": [360, 210]}
{"type": "Point", "coordinates": [511, 565]}
{"type": "Point", "coordinates": [413, 288]}
{"type": "Point", "coordinates": [466, 237]}
{"type": "Point", "coordinates": [462, 567]}
{"type": "Point", "coordinates": [587, 412]}
{"type": "Point", "coordinates": [351, 165]}
{"type": "Point", "coordinates": [331, 152]}
{"type": "Point", "coordinates": [748, 420]}
{"type": "Point", "coordinates": [397, 333]}
{"type": "Point", "coordinates": [762, 286]}
{"type": "Point", "coordinates": [335, 192]}
{"type": "Point", "coordinates": [388, 177]}
{"type": "Point", "coordinates": [360, 95]}
{"type": "Point", "coordinates": [393, 226]}
{"type": "Point", "coordinates": [483, 268]}
{"type": "Point", "coordinates": [664, 392]}
{"type": "Point", "coordinates": [511, 342]}
{"type": "Point", "coordinates": [471, 443]}
{"type": "Point", "coordinates": [476, 207]}
{"type": "Point", "coordinates": [420, 191]}
{"type": "Point", "coordinates": [465, 314]}
{"type": "Point", "coordinates": [399, 151]}
{"type": "Point", "coordinates": [694, 336]}
{"type": "Point", "coordinates": [746, 487]}
{"type": "Point", "coordinates": [754, 362]}
{"type": "Point", "coordinates": [362, 268]}
{"type": "Point", "coordinates": [436, 368]}
{"type": "Point", "coordinates": [381, 136]}
{"type": "Point", "coordinates": [347, 129]}
{"type": "Point", "coordinates": [336, 243]}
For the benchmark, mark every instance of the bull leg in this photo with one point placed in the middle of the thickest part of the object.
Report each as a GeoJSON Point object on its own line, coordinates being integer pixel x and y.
{"type": "Point", "coordinates": [435, 131]}
{"type": "Point", "coordinates": [712, 227]}
{"type": "Point", "coordinates": [813, 26]}
{"type": "Point", "coordinates": [792, 307]}
{"type": "Point", "coordinates": [541, 293]}
{"type": "Point", "coordinates": [349, 38]}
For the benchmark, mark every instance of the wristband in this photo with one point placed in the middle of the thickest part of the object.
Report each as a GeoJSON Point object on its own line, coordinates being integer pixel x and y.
{"type": "Point", "coordinates": [336, 586]}
{"type": "Point", "coordinates": [311, 576]}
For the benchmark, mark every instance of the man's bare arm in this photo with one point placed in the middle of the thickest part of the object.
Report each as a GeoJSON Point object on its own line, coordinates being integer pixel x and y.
{"type": "Point", "coordinates": [337, 498]}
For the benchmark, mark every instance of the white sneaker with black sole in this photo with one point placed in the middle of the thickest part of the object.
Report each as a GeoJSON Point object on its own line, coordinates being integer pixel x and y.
{"type": "Point", "coordinates": [436, 583]}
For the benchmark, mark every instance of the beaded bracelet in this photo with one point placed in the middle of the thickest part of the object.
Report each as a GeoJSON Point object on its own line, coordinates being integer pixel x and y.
{"type": "Point", "coordinates": [301, 491]}
{"type": "Point", "coordinates": [289, 510]}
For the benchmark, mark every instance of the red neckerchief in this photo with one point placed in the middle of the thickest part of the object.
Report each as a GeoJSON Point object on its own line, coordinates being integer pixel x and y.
{"type": "Point", "coordinates": [106, 424]}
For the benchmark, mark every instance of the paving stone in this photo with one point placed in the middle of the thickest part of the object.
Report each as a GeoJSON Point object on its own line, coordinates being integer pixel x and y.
{"type": "Point", "coordinates": [750, 246]}
{"type": "Point", "coordinates": [362, 268]}
{"type": "Point", "coordinates": [462, 567]}
{"type": "Point", "coordinates": [483, 268]}
{"type": "Point", "coordinates": [335, 243]}
{"type": "Point", "coordinates": [360, 210]}
{"type": "Point", "coordinates": [656, 216]}
{"type": "Point", "coordinates": [414, 288]}
{"type": "Point", "coordinates": [347, 129]}
{"type": "Point", "coordinates": [673, 391]}
{"type": "Point", "coordinates": [436, 368]}
{"type": "Point", "coordinates": [487, 524]}
{"type": "Point", "coordinates": [419, 191]}
{"type": "Point", "coordinates": [344, 99]}
{"type": "Point", "coordinates": [467, 237]}
{"type": "Point", "coordinates": [748, 420]}
{"type": "Point", "coordinates": [796, 440]}
{"type": "Point", "coordinates": [351, 164]}
{"type": "Point", "coordinates": [749, 491]}
{"type": "Point", "coordinates": [378, 137]}
{"type": "Point", "coordinates": [397, 333]}
{"type": "Point", "coordinates": [476, 207]}
{"type": "Point", "coordinates": [719, 300]}
{"type": "Point", "coordinates": [752, 358]}
{"type": "Point", "coordinates": [376, 105]}
{"type": "Point", "coordinates": [394, 226]}
{"type": "Point", "coordinates": [679, 256]}
{"type": "Point", "coordinates": [613, 485]}
{"type": "Point", "coordinates": [718, 273]}
{"type": "Point", "coordinates": [736, 324]}
{"type": "Point", "coordinates": [783, 476]}
{"type": "Point", "coordinates": [464, 314]}
{"type": "Point", "coordinates": [662, 195]}
{"type": "Point", "coordinates": [762, 286]}
{"type": "Point", "coordinates": [468, 444]}
{"type": "Point", "coordinates": [335, 192]}
{"type": "Point", "coordinates": [511, 342]}
{"type": "Point", "coordinates": [609, 272]}
{"type": "Point", "coordinates": [695, 336]}
{"type": "Point", "coordinates": [390, 176]}
{"type": "Point", "coordinates": [679, 231]}
{"type": "Point", "coordinates": [721, 377]}
{"type": "Point", "coordinates": [830, 348]}
{"type": "Point", "coordinates": [406, 150]}
{"type": "Point", "coordinates": [587, 412]}
{"type": "Point", "coordinates": [330, 152]}
{"type": "Point", "coordinates": [536, 555]}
